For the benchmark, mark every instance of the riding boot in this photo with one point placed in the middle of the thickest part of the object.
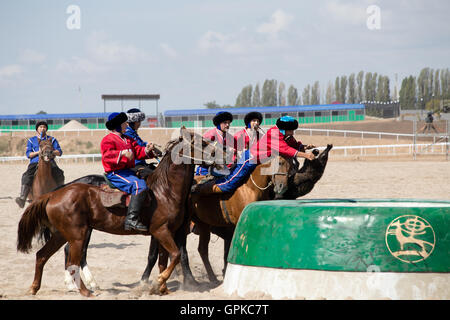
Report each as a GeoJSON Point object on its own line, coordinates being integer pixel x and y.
{"type": "Point", "coordinates": [134, 209]}
{"type": "Point", "coordinates": [209, 187]}
{"type": "Point", "coordinates": [23, 195]}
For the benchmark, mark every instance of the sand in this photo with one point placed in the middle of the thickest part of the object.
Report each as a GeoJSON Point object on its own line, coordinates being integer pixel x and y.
{"type": "Point", "coordinates": [117, 262]}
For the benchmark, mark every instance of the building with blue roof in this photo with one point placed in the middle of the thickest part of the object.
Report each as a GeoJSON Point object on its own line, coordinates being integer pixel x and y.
{"type": "Point", "coordinates": [55, 120]}
{"type": "Point", "coordinates": [304, 114]}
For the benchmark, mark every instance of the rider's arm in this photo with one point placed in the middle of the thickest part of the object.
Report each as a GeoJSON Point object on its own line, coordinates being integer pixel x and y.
{"type": "Point", "coordinates": [30, 153]}
{"type": "Point", "coordinates": [56, 146]}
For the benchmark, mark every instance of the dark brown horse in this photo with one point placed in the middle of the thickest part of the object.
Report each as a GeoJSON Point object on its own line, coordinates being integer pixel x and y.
{"type": "Point", "coordinates": [220, 213]}
{"type": "Point", "coordinates": [69, 212]}
{"type": "Point", "coordinates": [43, 181]}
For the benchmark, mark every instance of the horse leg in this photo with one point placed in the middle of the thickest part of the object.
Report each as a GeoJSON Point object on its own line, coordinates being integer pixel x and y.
{"type": "Point", "coordinates": [75, 253]}
{"type": "Point", "coordinates": [165, 239]}
{"type": "Point", "coordinates": [180, 240]}
{"type": "Point", "coordinates": [203, 243]}
{"type": "Point", "coordinates": [55, 242]}
{"type": "Point", "coordinates": [88, 277]}
{"type": "Point", "coordinates": [151, 259]}
{"type": "Point", "coordinates": [162, 264]}
{"type": "Point", "coordinates": [226, 249]}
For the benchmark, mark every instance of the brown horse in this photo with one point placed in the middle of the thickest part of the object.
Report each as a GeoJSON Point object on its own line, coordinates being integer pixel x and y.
{"type": "Point", "coordinates": [43, 181]}
{"type": "Point", "coordinates": [220, 213]}
{"type": "Point", "coordinates": [69, 212]}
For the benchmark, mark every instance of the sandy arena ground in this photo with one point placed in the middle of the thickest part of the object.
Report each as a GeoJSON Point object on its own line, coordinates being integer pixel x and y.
{"type": "Point", "coordinates": [117, 262]}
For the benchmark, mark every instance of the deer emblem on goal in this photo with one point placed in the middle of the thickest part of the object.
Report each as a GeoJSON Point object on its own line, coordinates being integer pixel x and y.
{"type": "Point", "coordinates": [410, 238]}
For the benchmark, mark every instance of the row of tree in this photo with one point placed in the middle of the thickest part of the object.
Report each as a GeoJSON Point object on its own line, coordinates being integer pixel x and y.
{"type": "Point", "coordinates": [415, 93]}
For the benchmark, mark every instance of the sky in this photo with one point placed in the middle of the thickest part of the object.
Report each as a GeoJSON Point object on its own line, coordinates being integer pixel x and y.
{"type": "Point", "coordinates": [61, 60]}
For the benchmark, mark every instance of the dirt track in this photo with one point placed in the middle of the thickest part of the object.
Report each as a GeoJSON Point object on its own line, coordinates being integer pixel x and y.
{"type": "Point", "coordinates": [118, 261]}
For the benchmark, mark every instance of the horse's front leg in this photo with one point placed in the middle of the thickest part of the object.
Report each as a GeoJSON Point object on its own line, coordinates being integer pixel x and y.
{"type": "Point", "coordinates": [151, 259]}
{"type": "Point", "coordinates": [203, 244]}
{"type": "Point", "coordinates": [166, 240]}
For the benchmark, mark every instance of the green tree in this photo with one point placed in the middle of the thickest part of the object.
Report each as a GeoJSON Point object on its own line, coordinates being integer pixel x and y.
{"type": "Point", "coordinates": [315, 93]}
{"type": "Point", "coordinates": [292, 95]}
{"type": "Point", "coordinates": [281, 94]}
{"type": "Point", "coordinates": [367, 84]}
{"type": "Point", "coordinates": [256, 101]}
{"type": "Point", "coordinates": [359, 81]}
{"type": "Point", "coordinates": [306, 95]}
{"type": "Point", "coordinates": [269, 93]}
{"type": "Point", "coordinates": [351, 89]}
{"type": "Point", "coordinates": [337, 90]}
{"type": "Point", "coordinates": [329, 96]}
{"type": "Point", "coordinates": [212, 105]}
{"type": "Point", "coordinates": [343, 89]}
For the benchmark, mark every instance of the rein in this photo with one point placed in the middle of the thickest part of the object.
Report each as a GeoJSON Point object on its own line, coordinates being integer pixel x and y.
{"type": "Point", "coordinates": [270, 182]}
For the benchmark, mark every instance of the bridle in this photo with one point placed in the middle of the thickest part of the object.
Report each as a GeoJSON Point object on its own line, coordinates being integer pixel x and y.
{"type": "Point", "coordinates": [270, 182]}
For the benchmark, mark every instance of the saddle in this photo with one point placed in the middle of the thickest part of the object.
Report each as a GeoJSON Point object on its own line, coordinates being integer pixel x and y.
{"type": "Point", "coordinates": [112, 197]}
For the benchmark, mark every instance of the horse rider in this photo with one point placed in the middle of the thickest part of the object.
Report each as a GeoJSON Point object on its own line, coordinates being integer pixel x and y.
{"type": "Point", "coordinates": [274, 141]}
{"type": "Point", "coordinates": [32, 153]}
{"type": "Point", "coordinates": [135, 118]}
{"type": "Point", "coordinates": [222, 121]}
{"type": "Point", "coordinates": [429, 123]}
{"type": "Point", "coordinates": [249, 135]}
{"type": "Point", "coordinates": [118, 155]}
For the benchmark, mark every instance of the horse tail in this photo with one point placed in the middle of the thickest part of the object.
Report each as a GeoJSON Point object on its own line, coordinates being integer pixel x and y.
{"type": "Point", "coordinates": [31, 223]}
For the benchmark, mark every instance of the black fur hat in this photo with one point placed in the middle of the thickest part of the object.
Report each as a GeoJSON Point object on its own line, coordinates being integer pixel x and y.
{"type": "Point", "coordinates": [287, 123]}
{"type": "Point", "coordinates": [222, 116]}
{"type": "Point", "coordinates": [252, 115]}
{"type": "Point", "coordinates": [135, 115]}
{"type": "Point", "coordinates": [40, 123]}
{"type": "Point", "coordinates": [115, 119]}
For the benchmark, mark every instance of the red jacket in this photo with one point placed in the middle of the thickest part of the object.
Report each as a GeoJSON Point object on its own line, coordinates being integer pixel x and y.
{"type": "Point", "coordinates": [215, 134]}
{"type": "Point", "coordinates": [242, 139]}
{"type": "Point", "coordinates": [272, 141]}
{"type": "Point", "coordinates": [111, 148]}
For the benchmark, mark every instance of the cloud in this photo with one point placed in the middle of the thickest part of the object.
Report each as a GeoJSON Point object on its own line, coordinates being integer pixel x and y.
{"type": "Point", "coordinates": [107, 51]}
{"type": "Point", "coordinates": [168, 50]}
{"type": "Point", "coordinates": [228, 43]}
{"type": "Point", "coordinates": [10, 71]}
{"type": "Point", "coordinates": [350, 13]}
{"type": "Point", "coordinates": [279, 21]}
{"type": "Point", "coordinates": [31, 56]}
{"type": "Point", "coordinates": [77, 65]}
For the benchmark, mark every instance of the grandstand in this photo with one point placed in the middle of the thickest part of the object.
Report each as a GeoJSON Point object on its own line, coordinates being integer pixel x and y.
{"type": "Point", "coordinates": [194, 117]}
{"type": "Point", "coordinates": [304, 114]}
{"type": "Point", "coordinates": [57, 120]}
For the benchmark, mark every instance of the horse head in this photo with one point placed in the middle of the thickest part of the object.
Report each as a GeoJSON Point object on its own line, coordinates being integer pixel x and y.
{"type": "Point", "coordinates": [192, 148]}
{"type": "Point", "coordinates": [280, 170]}
{"type": "Point", "coordinates": [46, 150]}
{"type": "Point", "coordinates": [306, 177]}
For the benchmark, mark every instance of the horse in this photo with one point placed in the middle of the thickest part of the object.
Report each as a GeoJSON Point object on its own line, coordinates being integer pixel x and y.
{"type": "Point", "coordinates": [220, 213]}
{"type": "Point", "coordinates": [43, 180]}
{"type": "Point", "coordinates": [305, 179]}
{"type": "Point", "coordinates": [69, 212]}
{"type": "Point", "coordinates": [299, 184]}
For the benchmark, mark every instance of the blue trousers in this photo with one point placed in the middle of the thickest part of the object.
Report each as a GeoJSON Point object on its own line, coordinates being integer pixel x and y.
{"type": "Point", "coordinates": [240, 172]}
{"type": "Point", "coordinates": [127, 181]}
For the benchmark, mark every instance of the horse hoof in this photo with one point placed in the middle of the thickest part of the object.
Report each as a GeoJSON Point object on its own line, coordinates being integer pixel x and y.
{"type": "Point", "coordinates": [32, 291]}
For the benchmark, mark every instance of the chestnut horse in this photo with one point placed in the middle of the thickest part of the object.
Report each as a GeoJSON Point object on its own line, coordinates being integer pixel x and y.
{"type": "Point", "coordinates": [69, 212]}
{"type": "Point", "coordinates": [43, 180]}
{"type": "Point", "coordinates": [220, 213]}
